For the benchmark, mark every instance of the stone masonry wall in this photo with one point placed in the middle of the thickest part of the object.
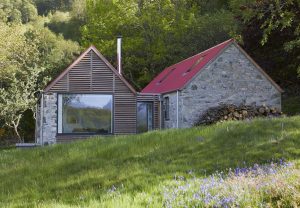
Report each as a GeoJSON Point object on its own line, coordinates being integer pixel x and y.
{"type": "Point", "coordinates": [49, 120]}
{"type": "Point", "coordinates": [172, 122]}
{"type": "Point", "coordinates": [230, 79]}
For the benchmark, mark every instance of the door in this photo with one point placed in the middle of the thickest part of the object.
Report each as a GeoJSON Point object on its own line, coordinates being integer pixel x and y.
{"type": "Point", "coordinates": [144, 116]}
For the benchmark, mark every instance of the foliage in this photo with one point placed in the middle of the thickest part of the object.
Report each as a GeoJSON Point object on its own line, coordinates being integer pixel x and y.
{"type": "Point", "coordinates": [19, 96]}
{"type": "Point", "coordinates": [54, 51]}
{"type": "Point", "coordinates": [46, 6]}
{"type": "Point", "coordinates": [130, 171]}
{"type": "Point", "coordinates": [30, 53]}
{"type": "Point", "coordinates": [18, 11]}
{"type": "Point", "coordinates": [276, 23]}
{"type": "Point", "coordinates": [66, 24]}
{"type": "Point", "coordinates": [17, 52]}
{"type": "Point", "coordinates": [156, 33]}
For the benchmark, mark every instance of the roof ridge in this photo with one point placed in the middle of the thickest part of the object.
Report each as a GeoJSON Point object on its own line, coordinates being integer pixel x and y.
{"type": "Point", "coordinates": [229, 40]}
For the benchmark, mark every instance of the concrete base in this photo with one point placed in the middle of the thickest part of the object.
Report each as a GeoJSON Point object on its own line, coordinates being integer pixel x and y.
{"type": "Point", "coordinates": [27, 145]}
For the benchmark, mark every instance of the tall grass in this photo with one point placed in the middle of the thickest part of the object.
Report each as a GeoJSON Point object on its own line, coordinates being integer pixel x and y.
{"type": "Point", "coordinates": [83, 174]}
{"type": "Point", "coordinates": [273, 185]}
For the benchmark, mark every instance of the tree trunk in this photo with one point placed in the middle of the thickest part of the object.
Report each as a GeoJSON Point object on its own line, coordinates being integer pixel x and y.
{"type": "Point", "coordinates": [16, 125]}
{"type": "Point", "coordinates": [17, 133]}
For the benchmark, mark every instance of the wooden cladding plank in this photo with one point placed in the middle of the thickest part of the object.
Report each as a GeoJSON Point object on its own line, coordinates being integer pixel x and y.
{"type": "Point", "coordinates": [91, 74]}
{"type": "Point", "coordinates": [102, 76]}
{"type": "Point", "coordinates": [125, 113]}
{"type": "Point", "coordinates": [120, 86]}
{"type": "Point", "coordinates": [61, 85]}
{"type": "Point", "coordinates": [80, 75]}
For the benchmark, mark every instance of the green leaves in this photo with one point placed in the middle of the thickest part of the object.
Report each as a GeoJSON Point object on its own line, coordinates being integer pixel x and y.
{"type": "Point", "coordinates": [155, 33]}
{"type": "Point", "coordinates": [19, 96]}
{"type": "Point", "coordinates": [29, 54]}
{"type": "Point", "coordinates": [17, 11]}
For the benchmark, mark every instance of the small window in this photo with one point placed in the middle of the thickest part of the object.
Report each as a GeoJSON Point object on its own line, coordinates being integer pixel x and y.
{"type": "Point", "coordinates": [166, 108]}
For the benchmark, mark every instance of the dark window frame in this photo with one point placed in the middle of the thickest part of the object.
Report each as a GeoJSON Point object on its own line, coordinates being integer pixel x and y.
{"type": "Point", "coordinates": [166, 108]}
{"type": "Point", "coordinates": [152, 104]}
{"type": "Point", "coordinates": [85, 93]}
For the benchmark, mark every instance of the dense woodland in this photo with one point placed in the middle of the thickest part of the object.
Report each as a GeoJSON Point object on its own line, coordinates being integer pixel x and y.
{"type": "Point", "coordinates": [39, 38]}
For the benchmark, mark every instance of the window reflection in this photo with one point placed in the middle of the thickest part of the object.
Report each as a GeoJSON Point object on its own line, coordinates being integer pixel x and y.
{"type": "Point", "coordinates": [144, 116]}
{"type": "Point", "coordinates": [84, 113]}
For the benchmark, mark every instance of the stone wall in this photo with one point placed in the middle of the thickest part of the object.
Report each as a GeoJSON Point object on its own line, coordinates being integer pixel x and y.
{"type": "Point", "coordinates": [172, 122]}
{"type": "Point", "coordinates": [49, 126]}
{"type": "Point", "coordinates": [231, 79]}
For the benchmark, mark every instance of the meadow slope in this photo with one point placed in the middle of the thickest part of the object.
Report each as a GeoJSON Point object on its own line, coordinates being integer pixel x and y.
{"type": "Point", "coordinates": [85, 173]}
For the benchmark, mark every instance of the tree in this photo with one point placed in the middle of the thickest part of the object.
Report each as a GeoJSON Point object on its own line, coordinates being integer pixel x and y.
{"type": "Point", "coordinates": [19, 96]}
{"type": "Point", "coordinates": [17, 11]}
{"type": "Point", "coordinates": [270, 35]}
{"type": "Point", "coordinates": [29, 54]}
{"type": "Point", "coordinates": [46, 6]}
{"type": "Point", "coordinates": [17, 53]}
{"type": "Point", "coordinates": [156, 33]}
{"type": "Point", "coordinates": [54, 52]}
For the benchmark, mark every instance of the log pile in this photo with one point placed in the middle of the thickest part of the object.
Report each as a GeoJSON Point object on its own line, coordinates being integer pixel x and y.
{"type": "Point", "coordinates": [229, 112]}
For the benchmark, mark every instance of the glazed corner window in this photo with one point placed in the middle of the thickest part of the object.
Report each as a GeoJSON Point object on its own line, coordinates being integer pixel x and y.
{"type": "Point", "coordinates": [84, 113]}
{"type": "Point", "coordinates": [166, 108]}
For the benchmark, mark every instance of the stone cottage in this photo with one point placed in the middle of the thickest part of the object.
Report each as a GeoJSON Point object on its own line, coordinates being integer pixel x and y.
{"type": "Point", "coordinates": [92, 97]}
{"type": "Point", "coordinates": [223, 74]}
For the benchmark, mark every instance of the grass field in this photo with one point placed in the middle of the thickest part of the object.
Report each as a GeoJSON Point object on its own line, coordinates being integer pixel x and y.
{"type": "Point", "coordinates": [130, 171]}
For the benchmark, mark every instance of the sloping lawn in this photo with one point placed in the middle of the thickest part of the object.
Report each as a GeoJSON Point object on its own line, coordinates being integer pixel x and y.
{"type": "Point", "coordinates": [88, 173]}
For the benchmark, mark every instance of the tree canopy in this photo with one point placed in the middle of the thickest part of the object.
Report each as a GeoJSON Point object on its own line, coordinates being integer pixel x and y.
{"type": "Point", "coordinates": [156, 33]}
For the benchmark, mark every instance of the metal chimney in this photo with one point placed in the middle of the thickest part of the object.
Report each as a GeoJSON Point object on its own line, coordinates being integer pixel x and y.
{"type": "Point", "coordinates": [119, 55]}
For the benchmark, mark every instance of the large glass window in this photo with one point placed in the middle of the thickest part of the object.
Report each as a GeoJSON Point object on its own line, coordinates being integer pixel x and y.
{"type": "Point", "coordinates": [85, 113]}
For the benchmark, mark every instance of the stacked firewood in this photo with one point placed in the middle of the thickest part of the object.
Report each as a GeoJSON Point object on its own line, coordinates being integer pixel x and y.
{"type": "Point", "coordinates": [229, 112]}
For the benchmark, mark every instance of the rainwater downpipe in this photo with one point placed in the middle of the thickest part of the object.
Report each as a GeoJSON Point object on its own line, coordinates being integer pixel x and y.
{"type": "Point", "coordinates": [160, 113]}
{"type": "Point", "coordinates": [36, 133]}
{"type": "Point", "coordinates": [42, 115]}
{"type": "Point", "coordinates": [177, 110]}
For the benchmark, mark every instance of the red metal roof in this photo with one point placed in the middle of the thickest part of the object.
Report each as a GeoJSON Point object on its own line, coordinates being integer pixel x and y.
{"type": "Point", "coordinates": [176, 76]}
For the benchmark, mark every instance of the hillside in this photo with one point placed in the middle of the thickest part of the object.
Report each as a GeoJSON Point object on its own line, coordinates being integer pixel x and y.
{"type": "Point", "coordinates": [86, 173]}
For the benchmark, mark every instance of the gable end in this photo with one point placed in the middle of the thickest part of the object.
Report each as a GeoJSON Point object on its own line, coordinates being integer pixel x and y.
{"type": "Point", "coordinates": [242, 51]}
{"type": "Point", "coordinates": [88, 73]}
{"type": "Point", "coordinates": [259, 68]}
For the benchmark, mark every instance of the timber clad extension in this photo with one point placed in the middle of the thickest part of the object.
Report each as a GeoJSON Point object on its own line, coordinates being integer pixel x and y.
{"type": "Point", "coordinates": [89, 74]}
{"type": "Point", "coordinates": [91, 97]}
{"type": "Point", "coordinates": [93, 75]}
